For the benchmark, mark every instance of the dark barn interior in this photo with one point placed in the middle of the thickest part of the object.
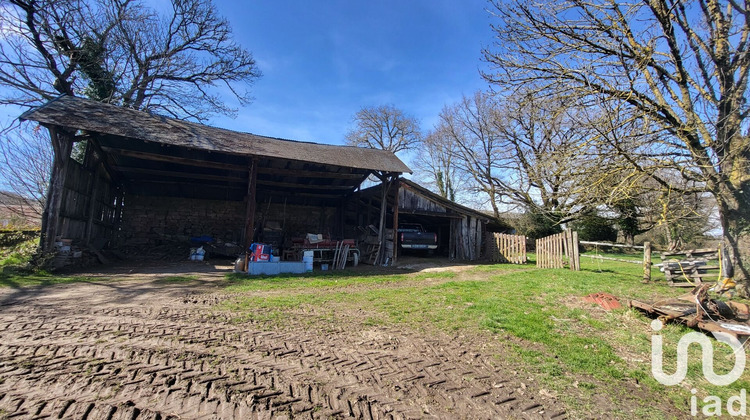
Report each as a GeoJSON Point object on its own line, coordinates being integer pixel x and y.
{"type": "Point", "coordinates": [459, 228]}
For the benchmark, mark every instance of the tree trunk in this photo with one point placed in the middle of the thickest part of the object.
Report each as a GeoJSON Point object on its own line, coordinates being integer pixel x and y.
{"type": "Point", "coordinates": [736, 241]}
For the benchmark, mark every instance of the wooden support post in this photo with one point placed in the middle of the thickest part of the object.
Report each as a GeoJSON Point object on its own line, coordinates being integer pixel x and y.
{"type": "Point", "coordinates": [647, 261]}
{"type": "Point", "coordinates": [396, 186]}
{"type": "Point", "coordinates": [250, 212]}
{"type": "Point", "coordinates": [380, 259]}
{"type": "Point", "coordinates": [92, 194]}
{"type": "Point", "coordinates": [62, 145]}
{"type": "Point", "coordinates": [342, 218]}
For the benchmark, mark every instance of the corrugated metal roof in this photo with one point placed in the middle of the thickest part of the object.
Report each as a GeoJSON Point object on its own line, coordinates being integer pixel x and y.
{"type": "Point", "coordinates": [88, 115]}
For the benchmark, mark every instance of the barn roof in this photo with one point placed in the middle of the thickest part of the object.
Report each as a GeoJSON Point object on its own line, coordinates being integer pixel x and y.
{"type": "Point", "coordinates": [441, 207]}
{"type": "Point", "coordinates": [88, 115]}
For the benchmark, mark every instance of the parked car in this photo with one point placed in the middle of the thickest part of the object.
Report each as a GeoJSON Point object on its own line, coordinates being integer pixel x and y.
{"type": "Point", "coordinates": [413, 236]}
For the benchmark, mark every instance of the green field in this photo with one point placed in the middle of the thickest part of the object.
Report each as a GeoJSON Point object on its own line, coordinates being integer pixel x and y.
{"type": "Point", "coordinates": [538, 315]}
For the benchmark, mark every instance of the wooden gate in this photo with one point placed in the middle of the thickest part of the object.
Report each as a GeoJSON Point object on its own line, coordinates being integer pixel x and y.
{"type": "Point", "coordinates": [556, 250]}
{"type": "Point", "coordinates": [504, 248]}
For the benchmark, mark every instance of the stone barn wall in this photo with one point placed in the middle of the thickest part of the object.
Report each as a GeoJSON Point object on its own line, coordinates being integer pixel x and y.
{"type": "Point", "coordinates": [150, 221]}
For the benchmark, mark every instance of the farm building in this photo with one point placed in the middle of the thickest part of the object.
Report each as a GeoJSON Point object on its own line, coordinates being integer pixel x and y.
{"type": "Point", "coordinates": [147, 182]}
{"type": "Point", "coordinates": [459, 229]}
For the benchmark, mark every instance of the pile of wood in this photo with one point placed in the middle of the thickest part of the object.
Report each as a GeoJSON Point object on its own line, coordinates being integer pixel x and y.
{"type": "Point", "coordinates": [690, 268]}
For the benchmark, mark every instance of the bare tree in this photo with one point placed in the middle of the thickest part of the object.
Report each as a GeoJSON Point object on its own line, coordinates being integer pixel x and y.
{"type": "Point", "coordinates": [384, 127]}
{"type": "Point", "coordinates": [524, 152]}
{"type": "Point", "coordinates": [683, 66]}
{"type": "Point", "coordinates": [548, 163]}
{"type": "Point", "coordinates": [435, 163]}
{"type": "Point", "coordinates": [122, 52]}
{"type": "Point", "coordinates": [475, 144]}
{"type": "Point", "coordinates": [25, 164]}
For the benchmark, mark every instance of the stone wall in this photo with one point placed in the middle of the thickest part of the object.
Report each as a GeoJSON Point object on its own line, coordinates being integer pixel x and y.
{"type": "Point", "coordinates": [296, 221]}
{"type": "Point", "coordinates": [155, 220]}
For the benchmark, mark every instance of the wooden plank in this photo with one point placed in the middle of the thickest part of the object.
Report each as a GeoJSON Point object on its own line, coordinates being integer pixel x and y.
{"type": "Point", "coordinates": [251, 203]}
{"type": "Point", "coordinates": [301, 173]}
{"type": "Point", "coordinates": [177, 174]}
{"type": "Point", "coordinates": [156, 157]}
{"type": "Point", "coordinates": [395, 221]}
{"type": "Point", "coordinates": [647, 261]}
{"type": "Point", "coordinates": [611, 244]}
{"type": "Point", "coordinates": [306, 186]}
{"type": "Point", "coordinates": [62, 144]}
{"type": "Point", "coordinates": [92, 205]}
{"type": "Point", "coordinates": [601, 257]}
{"type": "Point", "coordinates": [691, 252]}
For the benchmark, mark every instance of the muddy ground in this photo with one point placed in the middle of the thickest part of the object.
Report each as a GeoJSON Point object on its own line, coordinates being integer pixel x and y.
{"type": "Point", "coordinates": [144, 347]}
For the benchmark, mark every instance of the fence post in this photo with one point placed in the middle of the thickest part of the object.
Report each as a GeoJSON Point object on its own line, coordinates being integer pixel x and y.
{"type": "Point", "coordinates": [576, 253]}
{"type": "Point", "coordinates": [647, 261]}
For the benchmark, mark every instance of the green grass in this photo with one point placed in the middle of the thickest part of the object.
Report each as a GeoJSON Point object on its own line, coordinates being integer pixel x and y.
{"type": "Point", "coordinates": [11, 277]}
{"type": "Point", "coordinates": [537, 314]}
{"type": "Point", "coordinates": [19, 253]}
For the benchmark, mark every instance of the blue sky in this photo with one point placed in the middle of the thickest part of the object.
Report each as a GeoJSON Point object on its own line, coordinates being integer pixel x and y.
{"type": "Point", "coordinates": [322, 61]}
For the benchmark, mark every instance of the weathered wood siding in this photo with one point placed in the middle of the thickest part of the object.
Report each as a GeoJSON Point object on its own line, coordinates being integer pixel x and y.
{"type": "Point", "coordinates": [91, 205]}
{"type": "Point", "coordinates": [466, 239]}
{"type": "Point", "coordinates": [411, 202]}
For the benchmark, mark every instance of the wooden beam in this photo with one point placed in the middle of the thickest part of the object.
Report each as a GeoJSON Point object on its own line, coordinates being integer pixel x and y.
{"type": "Point", "coordinates": [395, 219]}
{"type": "Point", "coordinates": [106, 163]}
{"type": "Point", "coordinates": [174, 159]}
{"type": "Point", "coordinates": [306, 195]}
{"type": "Point", "coordinates": [306, 186]}
{"type": "Point", "coordinates": [177, 174]}
{"type": "Point", "coordinates": [62, 144]}
{"type": "Point", "coordinates": [312, 174]}
{"type": "Point", "coordinates": [251, 199]}
{"type": "Point", "coordinates": [232, 167]}
{"type": "Point", "coordinates": [93, 192]}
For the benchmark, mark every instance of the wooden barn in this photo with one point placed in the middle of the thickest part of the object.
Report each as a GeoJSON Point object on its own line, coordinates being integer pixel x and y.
{"type": "Point", "coordinates": [460, 229]}
{"type": "Point", "coordinates": [145, 182]}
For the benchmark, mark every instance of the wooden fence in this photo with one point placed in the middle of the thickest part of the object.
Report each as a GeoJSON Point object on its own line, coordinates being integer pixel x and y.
{"type": "Point", "coordinates": [646, 247]}
{"type": "Point", "coordinates": [504, 248]}
{"type": "Point", "coordinates": [556, 250]}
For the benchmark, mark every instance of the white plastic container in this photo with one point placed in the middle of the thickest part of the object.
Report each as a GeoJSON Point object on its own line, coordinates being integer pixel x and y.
{"type": "Point", "coordinates": [267, 268]}
{"type": "Point", "coordinates": [308, 263]}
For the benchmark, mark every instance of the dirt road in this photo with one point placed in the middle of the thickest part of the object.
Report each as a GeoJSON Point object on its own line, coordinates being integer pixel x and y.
{"type": "Point", "coordinates": [145, 348]}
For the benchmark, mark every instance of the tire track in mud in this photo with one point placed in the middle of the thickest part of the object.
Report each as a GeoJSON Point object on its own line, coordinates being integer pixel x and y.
{"type": "Point", "coordinates": [187, 361]}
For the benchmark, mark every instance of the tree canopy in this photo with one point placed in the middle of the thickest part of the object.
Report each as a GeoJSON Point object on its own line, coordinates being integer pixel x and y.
{"type": "Point", "coordinates": [679, 68]}
{"type": "Point", "coordinates": [123, 52]}
{"type": "Point", "coordinates": [384, 127]}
